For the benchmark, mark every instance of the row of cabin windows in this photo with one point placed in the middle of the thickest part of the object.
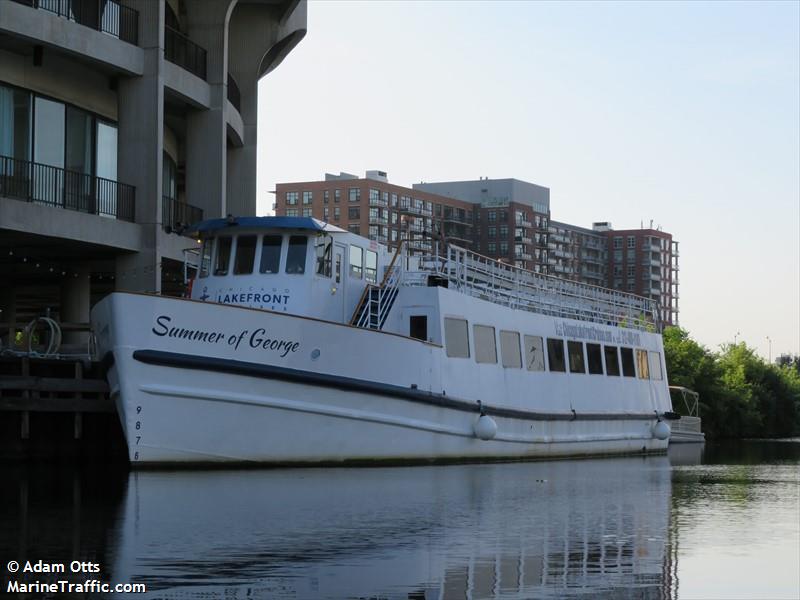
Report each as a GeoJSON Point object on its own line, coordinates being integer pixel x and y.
{"type": "Point", "coordinates": [240, 256]}
{"type": "Point", "coordinates": [598, 359]}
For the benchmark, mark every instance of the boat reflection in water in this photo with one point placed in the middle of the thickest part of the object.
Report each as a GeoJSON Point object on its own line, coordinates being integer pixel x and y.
{"type": "Point", "coordinates": [544, 529]}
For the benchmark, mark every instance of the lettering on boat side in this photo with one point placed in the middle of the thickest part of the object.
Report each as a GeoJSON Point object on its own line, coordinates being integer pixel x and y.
{"type": "Point", "coordinates": [260, 298]}
{"type": "Point", "coordinates": [259, 338]}
{"type": "Point", "coordinates": [596, 334]}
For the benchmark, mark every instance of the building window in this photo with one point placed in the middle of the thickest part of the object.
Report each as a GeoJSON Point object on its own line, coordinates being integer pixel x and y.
{"type": "Point", "coordinates": [291, 212]}
{"type": "Point", "coordinates": [503, 231]}
{"type": "Point", "coordinates": [355, 194]}
{"type": "Point", "coordinates": [631, 242]}
{"type": "Point", "coordinates": [617, 243]}
{"type": "Point", "coordinates": [485, 346]}
{"type": "Point", "coordinates": [325, 213]}
{"type": "Point", "coordinates": [617, 255]}
{"type": "Point", "coordinates": [617, 270]}
{"type": "Point", "coordinates": [374, 195]}
{"type": "Point", "coordinates": [491, 232]}
{"type": "Point", "coordinates": [307, 212]}
{"type": "Point", "coordinates": [394, 199]}
{"type": "Point", "coordinates": [326, 196]}
{"type": "Point", "coordinates": [491, 248]}
{"type": "Point", "coordinates": [337, 195]}
{"type": "Point", "coordinates": [631, 272]}
{"type": "Point", "coordinates": [354, 228]}
{"type": "Point", "coordinates": [354, 212]}
{"type": "Point", "coordinates": [503, 248]}
{"type": "Point", "coordinates": [456, 337]}
{"type": "Point", "coordinates": [308, 197]}
{"type": "Point", "coordinates": [291, 198]}
{"type": "Point", "coordinates": [492, 216]}
{"type": "Point", "coordinates": [337, 212]}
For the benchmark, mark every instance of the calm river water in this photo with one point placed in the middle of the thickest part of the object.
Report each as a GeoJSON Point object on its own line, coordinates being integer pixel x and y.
{"type": "Point", "coordinates": [718, 522]}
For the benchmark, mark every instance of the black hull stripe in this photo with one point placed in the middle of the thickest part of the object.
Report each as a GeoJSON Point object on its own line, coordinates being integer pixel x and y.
{"type": "Point", "coordinates": [349, 384]}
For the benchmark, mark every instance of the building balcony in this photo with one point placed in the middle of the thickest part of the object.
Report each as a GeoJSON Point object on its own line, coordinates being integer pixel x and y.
{"type": "Point", "coordinates": [378, 220]}
{"type": "Point", "coordinates": [552, 261]}
{"type": "Point", "coordinates": [381, 239]}
{"type": "Point", "coordinates": [523, 223]}
{"type": "Point", "coordinates": [53, 186]}
{"type": "Point", "coordinates": [108, 16]}
{"type": "Point", "coordinates": [522, 256]}
{"type": "Point", "coordinates": [413, 210]}
{"type": "Point", "coordinates": [234, 95]}
{"type": "Point", "coordinates": [378, 202]}
{"type": "Point", "coordinates": [557, 237]}
{"type": "Point", "coordinates": [522, 239]}
{"type": "Point", "coordinates": [456, 219]}
{"type": "Point", "coordinates": [564, 254]}
{"type": "Point", "coordinates": [182, 51]}
{"type": "Point", "coordinates": [178, 216]}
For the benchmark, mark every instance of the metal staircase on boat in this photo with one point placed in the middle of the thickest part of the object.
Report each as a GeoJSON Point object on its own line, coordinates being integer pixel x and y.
{"type": "Point", "coordinates": [377, 300]}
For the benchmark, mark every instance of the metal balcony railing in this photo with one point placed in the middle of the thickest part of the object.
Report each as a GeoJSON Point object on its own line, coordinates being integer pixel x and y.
{"type": "Point", "coordinates": [53, 186]}
{"type": "Point", "coordinates": [108, 16]}
{"type": "Point", "coordinates": [234, 95]}
{"type": "Point", "coordinates": [178, 216]}
{"type": "Point", "coordinates": [182, 51]}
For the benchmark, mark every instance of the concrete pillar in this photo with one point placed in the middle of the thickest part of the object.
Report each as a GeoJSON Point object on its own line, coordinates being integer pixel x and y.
{"type": "Point", "coordinates": [206, 130]}
{"type": "Point", "coordinates": [8, 313]}
{"type": "Point", "coordinates": [141, 127]}
{"type": "Point", "coordinates": [258, 41]}
{"type": "Point", "coordinates": [76, 303]}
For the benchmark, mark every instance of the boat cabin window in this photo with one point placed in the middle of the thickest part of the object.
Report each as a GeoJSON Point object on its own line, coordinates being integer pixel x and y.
{"type": "Point", "coordinates": [612, 360]}
{"type": "Point", "coordinates": [338, 271]}
{"type": "Point", "coordinates": [509, 349]}
{"type": "Point", "coordinates": [576, 363]}
{"type": "Point", "coordinates": [655, 366]}
{"type": "Point", "coordinates": [323, 251]}
{"type": "Point", "coordinates": [485, 346]}
{"type": "Point", "coordinates": [555, 355]}
{"type": "Point", "coordinates": [641, 363]}
{"type": "Point", "coordinates": [456, 338]}
{"type": "Point", "coordinates": [356, 261]}
{"type": "Point", "coordinates": [296, 256]}
{"type": "Point", "coordinates": [205, 256]}
{"type": "Point", "coordinates": [418, 327]}
{"type": "Point", "coordinates": [271, 254]}
{"type": "Point", "coordinates": [223, 255]}
{"type": "Point", "coordinates": [628, 370]}
{"type": "Point", "coordinates": [371, 266]}
{"type": "Point", "coordinates": [534, 353]}
{"type": "Point", "coordinates": [595, 359]}
{"type": "Point", "coordinates": [245, 255]}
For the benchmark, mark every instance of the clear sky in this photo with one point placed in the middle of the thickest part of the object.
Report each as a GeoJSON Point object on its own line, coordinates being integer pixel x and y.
{"type": "Point", "coordinates": [684, 113]}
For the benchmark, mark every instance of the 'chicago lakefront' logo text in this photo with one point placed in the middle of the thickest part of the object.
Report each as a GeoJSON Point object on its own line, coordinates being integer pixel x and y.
{"type": "Point", "coordinates": [258, 338]}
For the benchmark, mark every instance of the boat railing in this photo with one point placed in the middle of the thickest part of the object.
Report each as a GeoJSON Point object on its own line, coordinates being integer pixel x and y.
{"type": "Point", "coordinates": [686, 425]}
{"type": "Point", "coordinates": [691, 400]}
{"type": "Point", "coordinates": [508, 285]}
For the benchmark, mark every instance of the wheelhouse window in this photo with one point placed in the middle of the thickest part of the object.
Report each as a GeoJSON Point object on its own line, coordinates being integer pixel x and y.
{"type": "Point", "coordinates": [485, 345]}
{"type": "Point", "coordinates": [509, 349]}
{"type": "Point", "coordinates": [296, 255]}
{"type": "Point", "coordinates": [576, 363]}
{"type": "Point", "coordinates": [642, 364]}
{"type": "Point", "coordinates": [205, 256]}
{"type": "Point", "coordinates": [612, 360]}
{"type": "Point", "coordinates": [371, 266]}
{"type": "Point", "coordinates": [555, 355]}
{"type": "Point", "coordinates": [323, 251]}
{"type": "Point", "coordinates": [245, 255]}
{"type": "Point", "coordinates": [594, 357]}
{"type": "Point", "coordinates": [628, 370]}
{"type": "Point", "coordinates": [356, 261]}
{"type": "Point", "coordinates": [534, 353]}
{"type": "Point", "coordinates": [270, 254]}
{"type": "Point", "coordinates": [223, 255]}
{"type": "Point", "coordinates": [456, 338]}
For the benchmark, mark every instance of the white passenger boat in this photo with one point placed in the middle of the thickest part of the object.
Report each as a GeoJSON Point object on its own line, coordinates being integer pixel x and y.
{"type": "Point", "coordinates": [305, 343]}
{"type": "Point", "coordinates": [688, 429]}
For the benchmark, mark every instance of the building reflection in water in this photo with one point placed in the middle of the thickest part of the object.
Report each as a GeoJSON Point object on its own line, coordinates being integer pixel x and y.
{"type": "Point", "coordinates": [541, 529]}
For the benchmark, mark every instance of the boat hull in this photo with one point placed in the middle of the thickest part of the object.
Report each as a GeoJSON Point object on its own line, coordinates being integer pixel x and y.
{"type": "Point", "coordinates": [221, 402]}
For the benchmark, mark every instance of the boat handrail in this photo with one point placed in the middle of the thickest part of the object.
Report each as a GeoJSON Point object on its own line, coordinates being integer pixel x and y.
{"type": "Point", "coordinates": [509, 285]}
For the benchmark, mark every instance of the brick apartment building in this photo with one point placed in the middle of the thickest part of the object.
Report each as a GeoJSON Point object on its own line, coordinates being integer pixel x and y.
{"type": "Point", "coordinates": [505, 219]}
